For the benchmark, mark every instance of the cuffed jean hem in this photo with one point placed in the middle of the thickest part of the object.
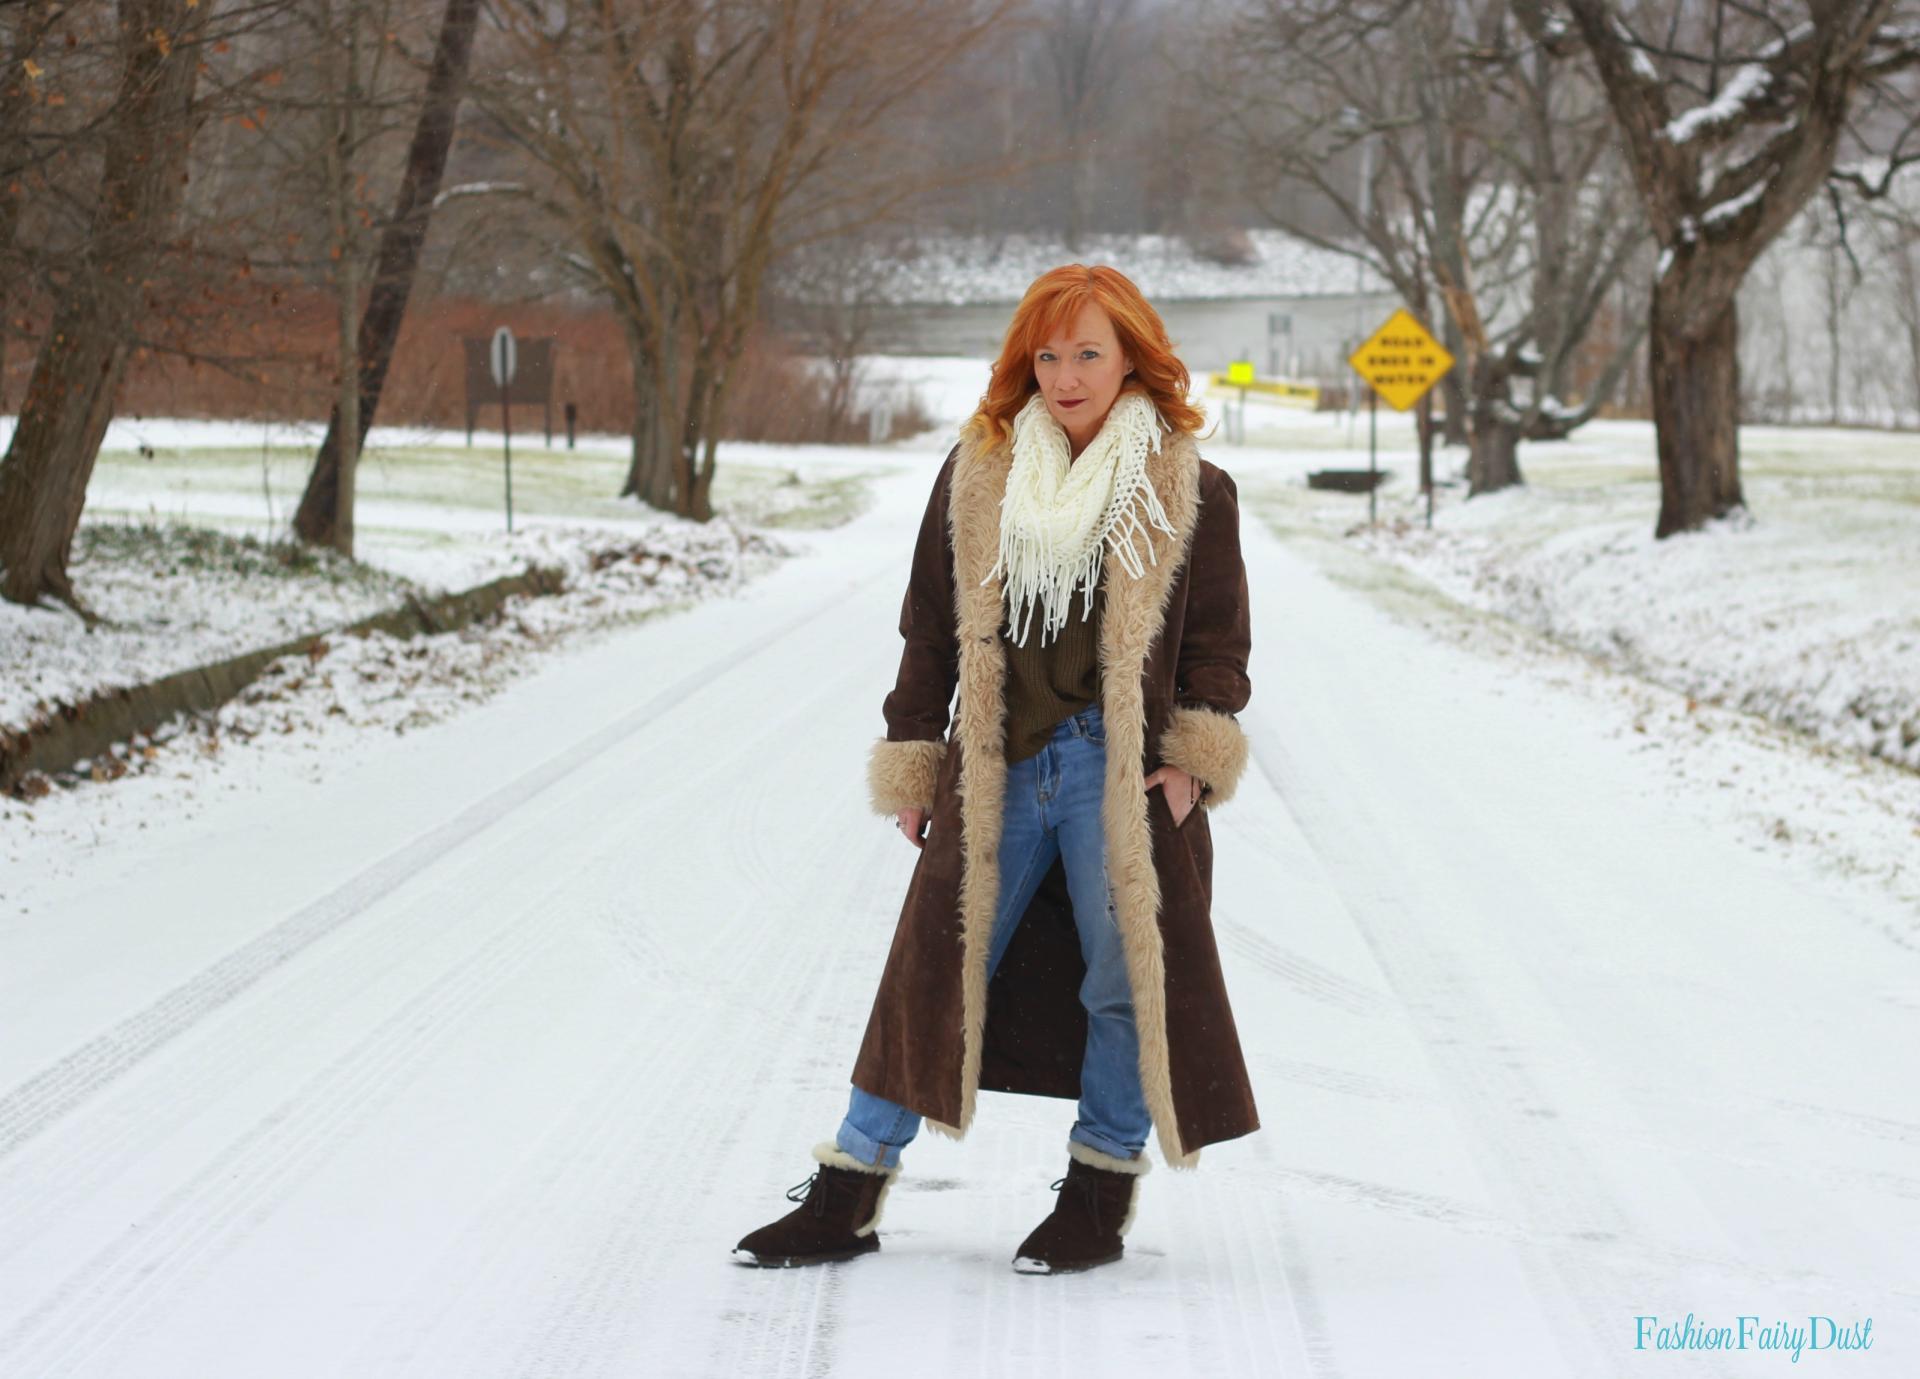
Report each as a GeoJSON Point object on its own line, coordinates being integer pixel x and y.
{"type": "Point", "coordinates": [851, 1139]}
{"type": "Point", "coordinates": [1105, 1145]}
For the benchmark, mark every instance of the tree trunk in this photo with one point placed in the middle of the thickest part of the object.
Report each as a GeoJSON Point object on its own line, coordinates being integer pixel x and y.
{"type": "Point", "coordinates": [347, 409]}
{"type": "Point", "coordinates": [1836, 332]}
{"type": "Point", "coordinates": [1785, 337]}
{"type": "Point", "coordinates": [347, 284]}
{"type": "Point", "coordinates": [1493, 456]}
{"type": "Point", "coordinates": [1908, 306]}
{"type": "Point", "coordinates": [653, 476]}
{"type": "Point", "coordinates": [1453, 386]}
{"type": "Point", "coordinates": [686, 440]}
{"type": "Point", "coordinates": [69, 399]}
{"type": "Point", "coordinates": [1493, 463]}
{"type": "Point", "coordinates": [700, 503]}
{"type": "Point", "coordinates": [23, 24]}
{"type": "Point", "coordinates": [1696, 413]}
{"type": "Point", "coordinates": [650, 471]}
{"type": "Point", "coordinates": [399, 258]}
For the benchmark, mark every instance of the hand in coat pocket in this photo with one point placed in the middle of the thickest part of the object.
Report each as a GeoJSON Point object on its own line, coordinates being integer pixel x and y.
{"type": "Point", "coordinates": [913, 823]}
{"type": "Point", "coordinates": [1180, 790]}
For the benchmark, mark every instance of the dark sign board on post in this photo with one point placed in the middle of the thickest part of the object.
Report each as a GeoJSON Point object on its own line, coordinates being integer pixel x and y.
{"type": "Point", "coordinates": [532, 378]}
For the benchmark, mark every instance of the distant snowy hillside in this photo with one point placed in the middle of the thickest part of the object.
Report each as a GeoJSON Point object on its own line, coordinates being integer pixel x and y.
{"type": "Point", "coordinates": [959, 270]}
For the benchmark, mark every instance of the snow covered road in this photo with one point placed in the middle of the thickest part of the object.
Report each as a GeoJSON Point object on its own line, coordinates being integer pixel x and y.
{"type": "Point", "coordinates": [475, 1059]}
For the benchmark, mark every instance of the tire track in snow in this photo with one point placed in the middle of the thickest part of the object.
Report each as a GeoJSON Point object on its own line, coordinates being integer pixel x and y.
{"type": "Point", "coordinates": [610, 1149]}
{"type": "Point", "coordinates": [1345, 1081]}
{"type": "Point", "coordinates": [1253, 1347]}
{"type": "Point", "coordinates": [488, 1261]}
{"type": "Point", "coordinates": [1305, 976]}
{"type": "Point", "coordinates": [573, 1310]}
{"type": "Point", "coordinates": [209, 1061]}
{"type": "Point", "coordinates": [1314, 1338]}
{"type": "Point", "coordinates": [29, 1108]}
{"type": "Point", "coordinates": [1527, 1151]}
{"type": "Point", "coordinates": [196, 1072]}
{"type": "Point", "coordinates": [107, 1298]}
{"type": "Point", "coordinates": [586, 1333]}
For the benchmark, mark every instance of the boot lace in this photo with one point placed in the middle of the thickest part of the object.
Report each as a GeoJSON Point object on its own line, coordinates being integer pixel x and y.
{"type": "Point", "coordinates": [798, 1193]}
{"type": "Point", "coordinates": [1089, 1192]}
{"type": "Point", "coordinates": [818, 1202]}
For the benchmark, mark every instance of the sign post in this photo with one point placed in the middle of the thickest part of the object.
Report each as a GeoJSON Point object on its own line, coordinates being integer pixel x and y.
{"type": "Point", "coordinates": [501, 357]}
{"type": "Point", "coordinates": [1400, 362]}
{"type": "Point", "coordinates": [1240, 375]}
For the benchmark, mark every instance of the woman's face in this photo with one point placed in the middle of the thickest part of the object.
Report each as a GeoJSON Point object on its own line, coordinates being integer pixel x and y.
{"type": "Point", "coordinates": [1080, 375]}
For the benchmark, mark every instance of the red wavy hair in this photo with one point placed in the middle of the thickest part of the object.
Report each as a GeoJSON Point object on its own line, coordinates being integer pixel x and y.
{"type": "Point", "coordinates": [1050, 305]}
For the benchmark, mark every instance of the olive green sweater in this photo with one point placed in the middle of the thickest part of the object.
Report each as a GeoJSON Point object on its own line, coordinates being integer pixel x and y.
{"type": "Point", "coordinates": [1051, 682]}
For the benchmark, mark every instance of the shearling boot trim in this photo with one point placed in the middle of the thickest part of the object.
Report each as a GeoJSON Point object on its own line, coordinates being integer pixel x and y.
{"type": "Point", "coordinates": [831, 1155]}
{"type": "Point", "coordinates": [1208, 745]}
{"type": "Point", "coordinates": [1087, 1154]}
{"type": "Point", "coordinates": [901, 775]}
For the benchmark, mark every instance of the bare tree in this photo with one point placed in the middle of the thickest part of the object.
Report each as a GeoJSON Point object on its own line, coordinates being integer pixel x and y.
{"type": "Point", "coordinates": [1486, 189]}
{"type": "Point", "coordinates": [340, 26]}
{"type": "Point", "coordinates": [1840, 279]}
{"type": "Point", "coordinates": [24, 28]}
{"type": "Point", "coordinates": [677, 145]}
{"type": "Point", "coordinates": [145, 137]}
{"type": "Point", "coordinates": [1897, 228]}
{"type": "Point", "coordinates": [325, 513]}
{"type": "Point", "coordinates": [1084, 44]}
{"type": "Point", "coordinates": [830, 298]}
{"type": "Point", "coordinates": [1774, 92]}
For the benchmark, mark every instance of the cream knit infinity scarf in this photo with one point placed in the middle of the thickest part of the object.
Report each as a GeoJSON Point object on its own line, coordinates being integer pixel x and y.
{"type": "Point", "coordinates": [1060, 513]}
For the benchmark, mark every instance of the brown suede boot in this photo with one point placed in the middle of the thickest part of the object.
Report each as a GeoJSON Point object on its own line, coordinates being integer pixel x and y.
{"type": "Point", "coordinates": [1094, 1209]}
{"type": "Point", "coordinates": [835, 1218]}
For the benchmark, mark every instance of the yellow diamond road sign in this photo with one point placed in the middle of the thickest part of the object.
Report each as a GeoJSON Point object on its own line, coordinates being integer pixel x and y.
{"type": "Point", "coordinates": [1401, 360]}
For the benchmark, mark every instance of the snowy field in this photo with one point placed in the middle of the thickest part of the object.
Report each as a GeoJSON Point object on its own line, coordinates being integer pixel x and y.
{"type": "Point", "coordinates": [471, 1051]}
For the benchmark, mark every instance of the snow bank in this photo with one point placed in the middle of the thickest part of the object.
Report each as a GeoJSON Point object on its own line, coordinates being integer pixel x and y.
{"type": "Point", "coordinates": [1780, 617]}
{"type": "Point", "coordinates": [397, 684]}
{"type": "Point", "coordinates": [170, 617]}
{"type": "Point", "coordinates": [173, 597]}
{"type": "Point", "coordinates": [1803, 611]}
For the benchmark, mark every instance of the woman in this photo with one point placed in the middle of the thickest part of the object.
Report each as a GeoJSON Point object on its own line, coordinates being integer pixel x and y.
{"type": "Point", "coordinates": [1055, 937]}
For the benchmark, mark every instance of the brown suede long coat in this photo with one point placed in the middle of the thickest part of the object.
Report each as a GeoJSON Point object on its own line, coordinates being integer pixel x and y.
{"type": "Point", "coordinates": [1173, 658]}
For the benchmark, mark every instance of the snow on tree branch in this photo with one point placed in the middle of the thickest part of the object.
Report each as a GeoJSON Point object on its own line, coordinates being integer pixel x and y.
{"type": "Point", "coordinates": [479, 189]}
{"type": "Point", "coordinates": [1736, 104]}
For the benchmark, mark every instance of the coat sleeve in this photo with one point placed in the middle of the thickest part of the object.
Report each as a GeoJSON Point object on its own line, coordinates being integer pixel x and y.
{"type": "Point", "coordinates": [903, 766]}
{"type": "Point", "coordinates": [1202, 736]}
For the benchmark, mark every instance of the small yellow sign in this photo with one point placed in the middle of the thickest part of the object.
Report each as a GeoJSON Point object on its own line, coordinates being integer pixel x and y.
{"type": "Point", "coordinates": [1240, 372]}
{"type": "Point", "coordinates": [1401, 360]}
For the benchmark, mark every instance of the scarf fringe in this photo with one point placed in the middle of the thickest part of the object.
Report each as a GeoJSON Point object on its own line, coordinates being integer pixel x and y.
{"type": "Point", "coordinates": [1052, 537]}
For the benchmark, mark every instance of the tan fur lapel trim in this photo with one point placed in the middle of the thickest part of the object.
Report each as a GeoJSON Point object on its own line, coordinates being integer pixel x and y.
{"type": "Point", "coordinates": [1134, 612]}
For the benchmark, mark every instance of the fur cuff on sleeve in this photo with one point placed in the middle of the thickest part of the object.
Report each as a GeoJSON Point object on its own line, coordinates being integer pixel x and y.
{"type": "Point", "coordinates": [900, 775]}
{"type": "Point", "coordinates": [1208, 745]}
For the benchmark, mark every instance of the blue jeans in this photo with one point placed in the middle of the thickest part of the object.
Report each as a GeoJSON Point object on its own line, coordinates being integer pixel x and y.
{"type": "Point", "coordinates": [1052, 810]}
